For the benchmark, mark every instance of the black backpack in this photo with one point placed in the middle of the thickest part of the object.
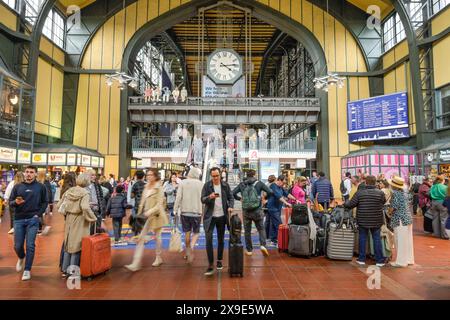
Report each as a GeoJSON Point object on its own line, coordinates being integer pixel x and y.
{"type": "Point", "coordinates": [342, 187]}
{"type": "Point", "coordinates": [299, 214]}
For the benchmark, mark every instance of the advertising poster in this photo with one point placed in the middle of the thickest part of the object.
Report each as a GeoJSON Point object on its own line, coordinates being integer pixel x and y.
{"type": "Point", "coordinates": [268, 168]}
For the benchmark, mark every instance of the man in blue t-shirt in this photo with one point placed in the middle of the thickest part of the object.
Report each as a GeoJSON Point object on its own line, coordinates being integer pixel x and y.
{"type": "Point", "coordinates": [274, 206]}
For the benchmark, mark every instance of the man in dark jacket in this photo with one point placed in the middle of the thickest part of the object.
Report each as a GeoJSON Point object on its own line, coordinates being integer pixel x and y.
{"type": "Point", "coordinates": [116, 209]}
{"type": "Point", "coordinates": [30, 200]}
{"type": "Point", "coordinates": [324, 191]}
{"type": "Point", "coordinates": [219, 203]}
{"type": "Point", "coordinates": [255, 214]}
{"type": "Point", "coordinates": [369, 202]}
{"type": "Point", "coordinates": [96, 200]}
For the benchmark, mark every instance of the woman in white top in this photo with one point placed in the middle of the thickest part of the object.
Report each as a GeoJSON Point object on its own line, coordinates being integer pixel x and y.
{"type": "Point", "coordinates": [18, 178]}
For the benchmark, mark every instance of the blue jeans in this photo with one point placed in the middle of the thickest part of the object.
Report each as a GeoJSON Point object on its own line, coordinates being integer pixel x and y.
{"type": "Point", "coordinates": [375, 232]}
{"type": "Point", "coordinates": [26, 229]}
{"type": "Point", "coordinates": [274, 223]}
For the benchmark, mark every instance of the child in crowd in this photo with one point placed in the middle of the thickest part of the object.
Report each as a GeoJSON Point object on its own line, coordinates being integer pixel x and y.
{"type": "Point", "coordinates": [116, 208]}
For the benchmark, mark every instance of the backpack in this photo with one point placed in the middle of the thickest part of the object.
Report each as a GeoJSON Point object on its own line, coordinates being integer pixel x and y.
{"type": "Point", "coordinates": [342, 187]}
{"type": "Point", "coordinates": [250, 198]}
{"type": "Point", "coordinates": [299, 214]}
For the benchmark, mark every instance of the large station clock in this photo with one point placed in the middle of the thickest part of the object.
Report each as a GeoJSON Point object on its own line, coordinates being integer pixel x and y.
{"type": "Point", "coordinates": [225, 66]}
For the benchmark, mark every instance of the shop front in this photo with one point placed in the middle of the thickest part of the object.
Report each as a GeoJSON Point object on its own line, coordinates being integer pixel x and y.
{"type": "Point", "coordinates": [11, 161]}
{"type": "Point", "coordinates": [386, 161]}
{"type": "Point", "coordinates": [436, 158]}
{"type": "Point", "coordinates": [57, 160]}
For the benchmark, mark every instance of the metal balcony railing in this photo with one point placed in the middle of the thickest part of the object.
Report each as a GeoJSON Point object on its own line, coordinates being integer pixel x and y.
{"type": "Point", "coordinates": [264, 102]}
{"type": "Point", "coordinates": [168, 144]}
{"type": "Point", "coordinates": [161, 144]}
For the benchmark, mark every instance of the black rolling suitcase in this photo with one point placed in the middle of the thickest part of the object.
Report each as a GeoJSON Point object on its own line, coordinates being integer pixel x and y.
{"type": "Point", "coordinates": [236, 249]}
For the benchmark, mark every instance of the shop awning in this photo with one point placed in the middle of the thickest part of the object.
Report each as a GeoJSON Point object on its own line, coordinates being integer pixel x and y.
{"type": "Point", "coordinates": [383, 150]}
{"type": "Point", "coordinates": [440, 144]}
{"type": "Point", "coordinates": [65, 149]}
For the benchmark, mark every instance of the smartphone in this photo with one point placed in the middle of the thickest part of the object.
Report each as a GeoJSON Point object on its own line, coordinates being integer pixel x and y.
{"type": "Point", "coordinates": [216, 194]}
{"type": "Point", "coordinates": [19, 198]}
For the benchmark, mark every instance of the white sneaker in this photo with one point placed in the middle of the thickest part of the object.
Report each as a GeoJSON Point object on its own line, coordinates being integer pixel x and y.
{"type": "Point", "coordinates": [158, 262]}
{"type": "Point", "coordinates": [11, 231]}
{"type": "Point", "coordinates": [380, 265]}
{"type": "Point", "coordinates": [19, 265]}
{"type": "Point", "coordinates": [264, 251]}
{"type": "Point", "coordinates": [133, 268]}
{"type": "Point", "coordinates": [362, 263]}
{"type": "Point", "coordinates": [46, 230]}
{"type": "Point", "coordinates": [26, 275]}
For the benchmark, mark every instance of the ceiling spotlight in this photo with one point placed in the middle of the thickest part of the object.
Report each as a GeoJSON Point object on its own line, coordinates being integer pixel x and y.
{"type": "Point", "coordinates": [331, 79]}
{"type": "Point", "coordinates": [121, 86]}
{"type": "Point", "coordinates": [133, 84]}
{"type": "Point", "coordinates": [13, 99]}
{"type": "Point", "coordinates": [109, 82]}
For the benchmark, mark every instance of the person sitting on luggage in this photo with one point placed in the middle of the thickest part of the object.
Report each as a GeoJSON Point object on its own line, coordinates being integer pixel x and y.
{"type": "Point", "coordinates": [250, 191]}
{"type": "Point", "coordinates": [369, 202]}
{"type": "Point", "coordinates": [75, 207]}
{"type": "Point", "coordinates": [116, 209]}
{"type": "Point", "coordinates": [219, 203]}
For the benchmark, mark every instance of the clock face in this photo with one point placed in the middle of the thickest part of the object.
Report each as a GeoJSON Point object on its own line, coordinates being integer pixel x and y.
{"type": "Point", "coordinates": [224, 66]}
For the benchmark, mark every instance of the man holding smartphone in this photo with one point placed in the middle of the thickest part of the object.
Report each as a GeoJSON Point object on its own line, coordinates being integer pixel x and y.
{"type": "Point", "coordinates": [30, 201]}
{"type": "Point", "coordinates": [219, 203]}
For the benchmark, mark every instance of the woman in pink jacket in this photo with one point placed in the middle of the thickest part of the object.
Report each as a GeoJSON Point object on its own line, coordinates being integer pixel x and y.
{"type": "Point", "coordinates": [299, 189]}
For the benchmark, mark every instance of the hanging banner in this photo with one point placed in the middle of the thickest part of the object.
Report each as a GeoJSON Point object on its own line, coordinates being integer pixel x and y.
{"type": "Point", "coordinates": [8, 155]}
{"type": "Point", "coordinates": [71, 159]}
{"type": "Point", "coordinates": [57, 159]}
{"type": "Point", "coordinates": [24, 157]}
{"type": "Point", "coordinates": [40, 158]}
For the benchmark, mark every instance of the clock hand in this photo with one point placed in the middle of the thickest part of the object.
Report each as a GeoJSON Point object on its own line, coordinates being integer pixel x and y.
{"type": "Point", "coordinates": [221, 64]}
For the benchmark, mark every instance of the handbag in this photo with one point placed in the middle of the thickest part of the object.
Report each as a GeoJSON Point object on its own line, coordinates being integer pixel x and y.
{"type": "Point", "coordinates": [175, 244]}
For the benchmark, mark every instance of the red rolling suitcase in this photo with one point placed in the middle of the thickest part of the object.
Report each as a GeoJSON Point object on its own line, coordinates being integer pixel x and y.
{"type": "Point", "coordinates": [95, 255]}
{"type": "Point", "coordinates": [283, 231]}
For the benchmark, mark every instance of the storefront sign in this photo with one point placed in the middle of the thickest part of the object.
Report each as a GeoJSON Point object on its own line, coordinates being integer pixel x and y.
{"type": "Point", "coordinates": [71, 159]}
{"type": "Point", "coordinates": [40, 158]}
{"type": "Point", "coordinates": [146, 162]}
{"type": "Point", "coordinates": [269, 168]}
{"type": "Point", "coordinates": [139, 164]}
{"type": "Point", "coordinates": [7, 154]}
{"type": "Point", "coordinates": [95, 162]}
{"type": "Point", "coordinates": [102, 162]}
{"type": "Point", "coordinates": [301, 163]}
{"type": "Point", "coordinates": [79, 159]}
{"type": "Point", "coordinates": [444, 155]}
{"type": "Point", "coordinates": [24, 157]}
{"type": "Point", "coordinates": [253, 155]}
{"type": "Point", "coordinates": [86, 160]}
{"type": "Point", "coordinates": [133, 164]}
{"type": "Point", "coordinates": [444, 169]}
{"type": "Point", "coordinates": [56, 158]}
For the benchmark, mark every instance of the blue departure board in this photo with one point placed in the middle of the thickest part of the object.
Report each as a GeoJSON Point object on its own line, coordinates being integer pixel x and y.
{"type": "Point", "coordinates": [378, 118]}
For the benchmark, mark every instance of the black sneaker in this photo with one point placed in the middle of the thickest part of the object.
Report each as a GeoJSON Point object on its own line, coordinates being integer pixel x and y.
{"type": "Point", "coordinates": [209, 271]}
{"type": "Point", "coordinates": [219, 265]}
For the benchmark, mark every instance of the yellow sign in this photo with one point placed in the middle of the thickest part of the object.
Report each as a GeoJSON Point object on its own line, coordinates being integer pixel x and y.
{"type": "Point", "coordinates": [39, 158]}
{"type": "Point", "coordinates": [24, 157]}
